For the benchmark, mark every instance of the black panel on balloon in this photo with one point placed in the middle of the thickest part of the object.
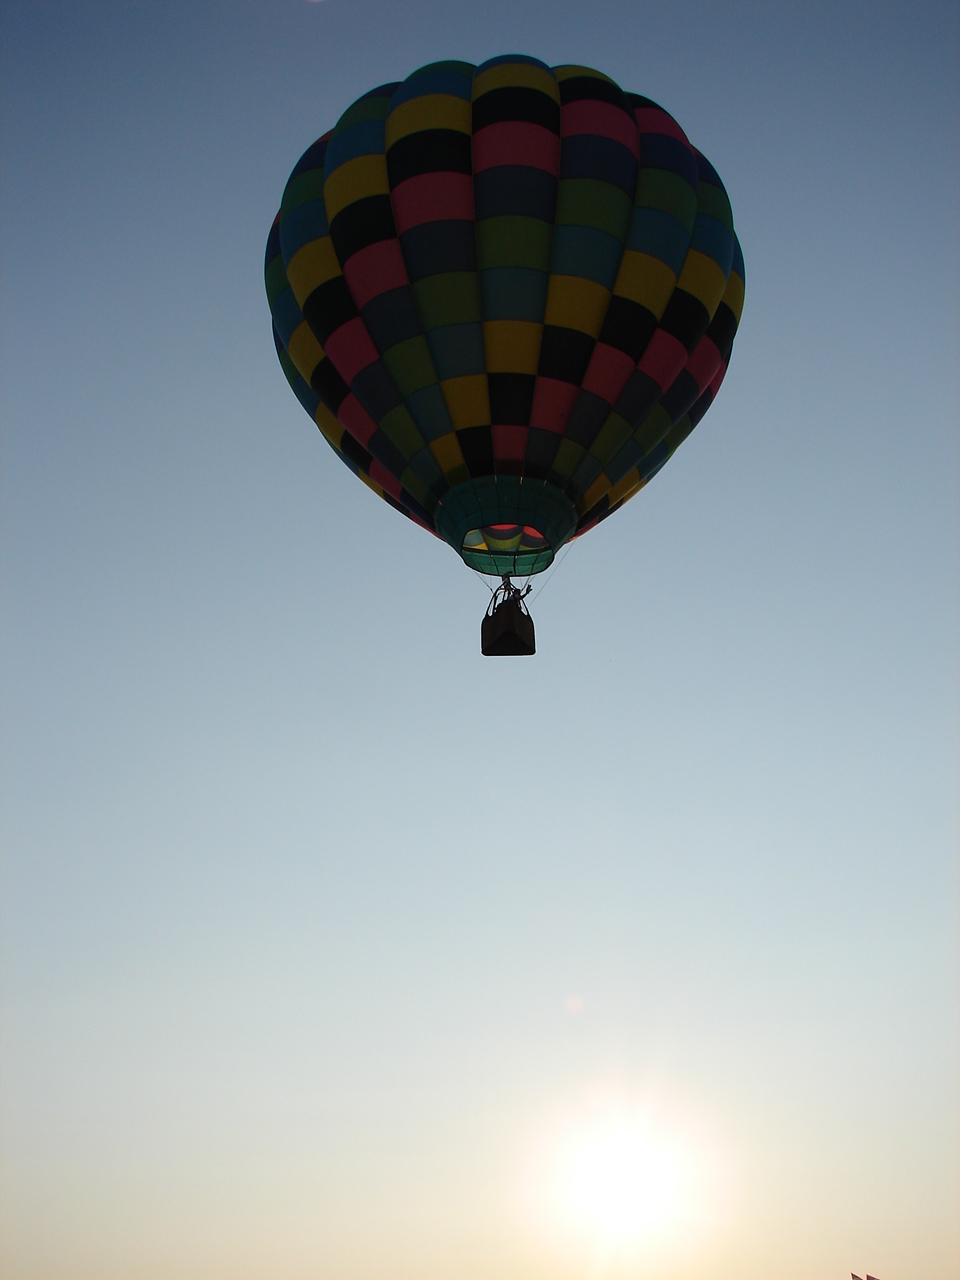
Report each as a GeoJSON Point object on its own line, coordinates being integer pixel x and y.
{"type": "Point", "coordinates": [364, 222]}
{"type": "Point", "coordinates": [328, 385]}
{"type": "Point", "coordinates": [328, 307]}
{"type": "Point", "coordinates": [429, 151]}
{"type": "Point", "coordinates": [686, 318]}
{"type": "Point", "coordinates": [565, 354]}
{"type": "Point", "coordinates": [498, 106]}
{"type": "Point", "coordinates": [476, 445]}
{"type": "Point", "coordinates": [511, 397]}
{"type": "Point", "coordinates": [628, 326]}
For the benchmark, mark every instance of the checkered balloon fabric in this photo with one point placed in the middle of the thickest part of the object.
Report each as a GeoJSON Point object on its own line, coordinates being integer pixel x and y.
{"type": "Point", "coordinates": [505, 294]}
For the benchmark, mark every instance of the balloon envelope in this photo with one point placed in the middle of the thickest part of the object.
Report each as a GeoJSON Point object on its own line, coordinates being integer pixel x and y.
{"type": "Point", "coordinates": [505, 294]}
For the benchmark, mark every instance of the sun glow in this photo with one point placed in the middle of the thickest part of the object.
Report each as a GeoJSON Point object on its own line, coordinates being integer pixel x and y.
{"type": "Point", "coordinates": [619, 1178]}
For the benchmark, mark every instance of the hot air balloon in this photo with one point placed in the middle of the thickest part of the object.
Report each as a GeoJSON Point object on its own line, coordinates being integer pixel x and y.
{"type": "Point", "coordinates": [506, 294]}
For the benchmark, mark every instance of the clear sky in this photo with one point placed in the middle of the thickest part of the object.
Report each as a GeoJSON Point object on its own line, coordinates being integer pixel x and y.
{"type": "Point", "coordinates": [332, 949]}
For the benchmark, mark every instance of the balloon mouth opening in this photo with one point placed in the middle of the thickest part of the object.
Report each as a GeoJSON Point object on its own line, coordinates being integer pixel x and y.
{"type": "Point", "coordinates": [503, 524]}
{"type": "Point", "coordinates": [514, 549]}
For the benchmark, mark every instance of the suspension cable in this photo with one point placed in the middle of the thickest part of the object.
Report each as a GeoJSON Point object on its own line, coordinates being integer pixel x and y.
{"type": "Point", "coordinates": [557, 564]}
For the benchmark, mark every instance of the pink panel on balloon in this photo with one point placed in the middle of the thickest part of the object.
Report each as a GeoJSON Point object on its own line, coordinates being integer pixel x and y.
{"type": "Point", "coordinates": [663, 359]}
{"type": "Point", "coordinates": [351, 349]}
{"type": "Point", "coordinates": [390, 484]}
{"type": "Point", "coordinates": [509, 444]}
{"type": "Point", "coordinates": [432, 197]}
{"type": "Point", "coordinates": [356, 419]}
{"type": "Point", "coordinates": [607, 372]}
{"type": "Point", "coordinates": [600, 118]}
{"type": "Point", "coordinates": [651, 120]}
{"type": "Point", "coordinates": [552, 402]}
{"type": "Point", "coordinates": [374, 270]}
{"type": "Point", "coordinates": [717, 379]}
{"type": "Point", "coordinates": [516, 142]}
{"type": "Point", "coordinates": [704, 362]}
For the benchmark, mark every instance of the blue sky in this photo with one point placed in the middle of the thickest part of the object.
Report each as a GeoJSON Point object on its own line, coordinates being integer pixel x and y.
{"type": "Point", "coordinates": [317, 928]}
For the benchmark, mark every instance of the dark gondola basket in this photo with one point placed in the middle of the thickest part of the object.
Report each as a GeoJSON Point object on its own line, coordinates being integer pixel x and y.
{"type": "Point", "coordinates": [507, 631]}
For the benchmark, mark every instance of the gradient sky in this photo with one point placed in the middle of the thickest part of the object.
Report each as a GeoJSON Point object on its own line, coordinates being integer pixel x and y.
{"type": "Point", "coordinates": [322, 935]}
